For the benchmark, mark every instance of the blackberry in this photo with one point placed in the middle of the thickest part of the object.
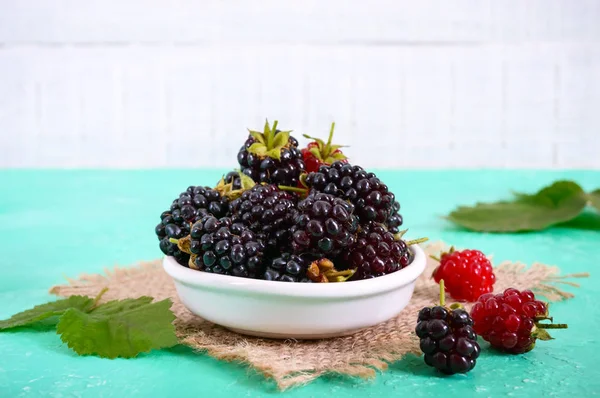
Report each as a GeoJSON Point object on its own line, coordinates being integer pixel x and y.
{"type": "Point", "coordinates": [221, 246]}
{"type": "Point", "coordinates": [288, 268]}
{"type": "Point", "coordinates": [373, 200]}
{"type": "Point", "coordinates": [376, 253]}
{"type": "Point", "coordinates": [268, 212]}
{"type": "Point", "coordinates": [447, 339]}
{"type": "Point", "coordinates": [325, 225]}
{"type": "Point", "coordinates": [272, 157]}
{"type": "Point", "coordinates": [233, 178]}
{"type": "Point", "coordinates": [189, 207]}
{"type": "Point", "coordinates": [395, 220]}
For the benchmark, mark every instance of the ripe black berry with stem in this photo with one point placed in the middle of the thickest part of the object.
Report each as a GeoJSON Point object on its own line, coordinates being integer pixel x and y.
{"type": "Point", "coordinates": [447, 337]}
{"type": "Point", "coordinates": [271, 157]}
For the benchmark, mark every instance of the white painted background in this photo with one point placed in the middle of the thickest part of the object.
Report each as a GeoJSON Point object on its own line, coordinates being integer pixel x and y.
{"type": "Point", "coordinates": [158, 83]}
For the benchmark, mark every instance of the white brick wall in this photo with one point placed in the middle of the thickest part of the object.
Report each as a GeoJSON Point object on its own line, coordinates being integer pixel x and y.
{"type": "Point", "coordinates": [143, 83]}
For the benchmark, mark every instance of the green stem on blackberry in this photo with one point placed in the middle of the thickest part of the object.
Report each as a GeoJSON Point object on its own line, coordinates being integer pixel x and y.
{"type": "Point", "coordinates": [442, 293]}
{"type": "Point", "coordinates": [552, 325]}
{"type": "Point", "coordinates": [292, 189]}
{"type": "Point", "coordinates": [328, 145]}
{"type": "Point", "coordinates": [400, 234]}
{"type": "Point", "coordinates": [271, 135]}
{"type": "Point", "coordinates": [173, 240]}
{"type": "Point", "coordinates": [416, 241]}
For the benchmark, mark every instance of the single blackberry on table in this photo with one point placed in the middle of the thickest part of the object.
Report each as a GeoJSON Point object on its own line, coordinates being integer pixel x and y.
{"type": "Point", "coordinates": [272, 157]}
{"type": "Point", "coordinates": [373, 200]}
{"type": "Point", "coordinates": [268, 212]}
{"type": "Point", "coordinates": [221, 246]}
{"type": "Point", "coordinates": [447, 338]}
{"type": "Point", "coordinates": [511, 321]}
{"type": "Point", "coordinates": [325, 225]}
{"type": "Point", "coordinates": [288, 267]}
{"type": "Point", "coordinates": [189, 207]}
{"type": "Point", "coordinates": [376, 253]}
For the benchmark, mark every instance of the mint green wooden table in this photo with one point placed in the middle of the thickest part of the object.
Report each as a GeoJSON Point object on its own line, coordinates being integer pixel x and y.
{"type": "Point", "coordinates": [62, 223]}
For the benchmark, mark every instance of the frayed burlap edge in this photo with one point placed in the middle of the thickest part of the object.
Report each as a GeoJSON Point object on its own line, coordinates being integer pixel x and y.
{"type": "Point", "coordinates": [289, 362]}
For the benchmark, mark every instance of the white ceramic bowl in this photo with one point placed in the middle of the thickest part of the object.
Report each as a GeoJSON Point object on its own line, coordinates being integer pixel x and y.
{"type": "Point", "coordinates": [295, 310]}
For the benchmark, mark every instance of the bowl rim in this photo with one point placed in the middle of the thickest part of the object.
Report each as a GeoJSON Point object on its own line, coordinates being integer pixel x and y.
{"type": "Point", "coordinates": [368, 287]}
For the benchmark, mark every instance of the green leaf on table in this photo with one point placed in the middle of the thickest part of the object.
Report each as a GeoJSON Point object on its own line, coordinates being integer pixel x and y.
{"type": "Point", "coordinates": [556, 203]}
{"type": "Point", "coordinates": [47, 311]}
{"type": "Point", "coordinates": [594, 198]}
{"type": "Point", "coordinates": [119, 328]}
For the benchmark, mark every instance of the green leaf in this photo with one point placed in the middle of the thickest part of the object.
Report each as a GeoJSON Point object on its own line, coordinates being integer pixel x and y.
{"type": "Point", "coordinates": [47, 311]}
{"type": "Point", "coordinates": [119, 328]}
{"type": "Point", "coordinates": [280, 140]}
{"type": "Point", "coordinates": [594, 198]}
{"type": "Point", "coordinates": [556, 203]}
{"type": "Point", "coordinates": [258, 149]}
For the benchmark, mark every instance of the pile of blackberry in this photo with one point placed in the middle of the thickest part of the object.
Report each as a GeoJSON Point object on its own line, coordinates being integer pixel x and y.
{"type": "Point", "coordinates": [191, 205]}
{"type": "Point", "coordinates": [284, 221]}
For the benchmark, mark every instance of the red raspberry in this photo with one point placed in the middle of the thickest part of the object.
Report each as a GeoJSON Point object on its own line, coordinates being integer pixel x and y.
{"type": "Point", "coordinates": [509, 321]}
{"type": "Point", "coordinates": [467, 273]}
{"type": "Point", "coordinates": [318, 153]}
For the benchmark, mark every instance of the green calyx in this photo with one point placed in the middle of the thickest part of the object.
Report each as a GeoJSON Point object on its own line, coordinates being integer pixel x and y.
{"type": "Point", "coordinates": [269, 143]}
{"type": "Point", "coordinates": [539, 330]}
{"type": "Point", "coordinates": [325, 151]}
{"type": "Point", "coordinates": [226, 189]}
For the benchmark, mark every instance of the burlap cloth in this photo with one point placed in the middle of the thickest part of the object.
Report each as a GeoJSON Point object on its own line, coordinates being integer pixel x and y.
{"type": "Point", "coordinates": [290, 362]}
